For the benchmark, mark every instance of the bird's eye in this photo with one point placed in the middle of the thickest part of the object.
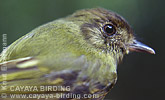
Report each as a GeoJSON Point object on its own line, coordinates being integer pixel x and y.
{"type": "Point", "coordinates": [109, 29]}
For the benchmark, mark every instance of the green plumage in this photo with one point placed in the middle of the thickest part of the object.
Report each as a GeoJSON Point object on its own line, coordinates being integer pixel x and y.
{"type": "Point", "coordinates": [71, 51]}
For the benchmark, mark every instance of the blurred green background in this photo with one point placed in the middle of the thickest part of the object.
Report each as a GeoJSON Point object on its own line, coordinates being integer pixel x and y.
{"type": "Point", "coordinates": [140, 76]}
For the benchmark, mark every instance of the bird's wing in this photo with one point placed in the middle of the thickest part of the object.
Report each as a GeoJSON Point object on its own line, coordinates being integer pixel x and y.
{"type": "Point", "coordinates": [31, 71]}
{"type": "Point", "coordinates": [24, 75]}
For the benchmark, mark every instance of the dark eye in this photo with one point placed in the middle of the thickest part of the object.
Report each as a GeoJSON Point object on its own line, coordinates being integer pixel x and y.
{"type": "Point", "coordinates": [109, 29]}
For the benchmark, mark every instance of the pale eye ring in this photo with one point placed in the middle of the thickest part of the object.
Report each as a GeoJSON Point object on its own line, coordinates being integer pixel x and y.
{"type": "Point", "coordinates": [109, 30]}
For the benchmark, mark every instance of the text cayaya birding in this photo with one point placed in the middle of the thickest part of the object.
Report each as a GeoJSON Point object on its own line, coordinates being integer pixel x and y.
{"type": "Point", "coordinates": [80, 52]}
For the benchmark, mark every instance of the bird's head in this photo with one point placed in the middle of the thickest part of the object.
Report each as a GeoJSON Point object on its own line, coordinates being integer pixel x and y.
{"type": "Point", "coordinates": [109, 32]}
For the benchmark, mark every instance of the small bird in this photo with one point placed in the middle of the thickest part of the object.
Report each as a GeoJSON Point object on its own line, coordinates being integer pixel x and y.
{"type": "Point", "coordinates": [75, 57]}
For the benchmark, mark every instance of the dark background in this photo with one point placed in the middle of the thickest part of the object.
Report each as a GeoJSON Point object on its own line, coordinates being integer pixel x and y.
{"type": "Point", "coordinates": [140, 76]}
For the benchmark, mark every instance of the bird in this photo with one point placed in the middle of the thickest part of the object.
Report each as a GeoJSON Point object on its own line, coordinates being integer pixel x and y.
{"type": "Point", "coordinates": [70, 58]}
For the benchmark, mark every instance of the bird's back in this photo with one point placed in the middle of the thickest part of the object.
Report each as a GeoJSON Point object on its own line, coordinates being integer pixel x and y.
{"type": "Point", "coordinates": [55, 54]}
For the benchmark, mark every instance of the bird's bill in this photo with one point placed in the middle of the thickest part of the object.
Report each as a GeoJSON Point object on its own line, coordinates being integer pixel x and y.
{"type": "Point", "coordinates": [140, 47]}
